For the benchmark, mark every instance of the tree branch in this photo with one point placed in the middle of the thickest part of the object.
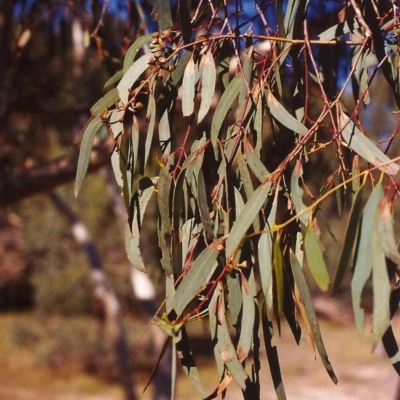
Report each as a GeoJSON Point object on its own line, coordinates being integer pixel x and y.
{"type": "Point", "coordinates": [28, 182]}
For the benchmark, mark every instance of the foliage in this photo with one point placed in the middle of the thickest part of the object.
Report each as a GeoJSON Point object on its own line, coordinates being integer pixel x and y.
{"type": "Point", "coordinates": [240, 120]}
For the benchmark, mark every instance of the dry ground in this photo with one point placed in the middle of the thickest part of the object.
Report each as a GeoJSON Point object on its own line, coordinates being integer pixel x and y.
{"type": "Point", "coordinates": [362, 375]}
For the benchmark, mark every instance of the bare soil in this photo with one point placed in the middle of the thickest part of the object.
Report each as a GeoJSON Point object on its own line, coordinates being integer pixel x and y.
{"type": "Point", "coordinates": [362, 375]}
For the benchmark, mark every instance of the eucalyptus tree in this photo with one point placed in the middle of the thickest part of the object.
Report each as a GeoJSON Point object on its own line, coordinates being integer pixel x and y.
{"type": "Point", "coordinates": [252, 135]}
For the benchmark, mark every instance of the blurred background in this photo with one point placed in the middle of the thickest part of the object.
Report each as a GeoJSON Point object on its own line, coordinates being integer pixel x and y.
{"type": "Point", "coordinates": [55, 336]}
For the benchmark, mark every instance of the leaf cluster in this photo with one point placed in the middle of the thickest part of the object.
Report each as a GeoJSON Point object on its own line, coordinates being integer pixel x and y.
{"type": "Point", "coordinates": [236, 229]}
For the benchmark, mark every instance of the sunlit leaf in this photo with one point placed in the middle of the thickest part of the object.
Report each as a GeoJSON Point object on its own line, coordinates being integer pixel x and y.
{"type": "Point", "coordinates": [385, 231]}
{"type": "Point", "coordinates": [283, 116]}
{"type": "Point", "coordinates": [246, 218]}
{"type": "Point", "coordinates": [360, 144]}
{"type": "Point", "coordinates": [107, 102]}
{"type": "Point", "coordinates": [114, 79]}
{"type": "Point", "coordinates": [297, 194]}
{"type": "Point", "coordinates": [132, 75]}
{"type": "Point", "coordinates": [364, 257]}
{"type": "Point", "coordinates": [196, 277]}
{"type": "Point", "coordinates": [247, 320]}
{"type": "Point", "coordinates": [208, 80]}
{"type": "Point", "coordinates": [132, 234]}
{"type": "Point", "coordinates": [134, 50]}
{"type": "Point", "coordinates": [188, 86]}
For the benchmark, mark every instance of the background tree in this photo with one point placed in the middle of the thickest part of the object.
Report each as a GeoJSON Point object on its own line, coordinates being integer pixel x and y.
{"type": "Point", "coordinates": [242, 109]}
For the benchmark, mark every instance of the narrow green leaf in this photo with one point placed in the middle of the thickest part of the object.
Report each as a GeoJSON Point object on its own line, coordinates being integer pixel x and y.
{"type": "Point", "coordinates": [385, 231]}
{"type": "Point", "coordinates": [203, 207]}
{"type": "Point", "coordinates": [247, 70]}
{"type": "Point", "coordinates": [254, 162]}
{"type": "Point", "coordinates": [188, 363]}
{"type": "Point", "coordinates": [272, 355]}
{"type": "Point", "coordinates": [282, 115]}
{"type": "Point", "coordinates": [196, 277]}
{"type": "Point", "coordinates": [337, 31]}
{"type": "Point", "coordinates": [162, 13]}
{"type": "Point", "coordinates": [114, 79]}
{"type": "Point", "coordinates": [235, 297]}
{"type": "Point", "coordinates": [315, 258]}
{"type": "Point", "coordinates": [177, 75]}
{"type": "Point", "coordinates": [381, 288]}
{"type": "Point", "coordinates": [189, 87]}
{"type": "Point", "coordinates": [310, 313]}
{"type": "Point", "coordinates": [277, 266]}
{"type": "Point", "coordinates": [132, 75]}
{"type": "Point", "coordinates": [132, 234]}
{"type": "Point", "coordinates": [223, 107]}
{"type": "Point", "coordinates": [90, 130]}
{"type": "Point", "coordinates": [349, 240]}
{"type": "Point", "coordinates": [265, 256]}
{"type": "Point", "coordinates": [247, 319]}
{"type": "Point", "coordinates": [364, 147]}
{"type": "Point", "coordinates": [151, 118]}
{"type": "Point", "coordinates": [246, 218]}
{"type": "Point", "coordinates": [165, 188]}
{"type": "Point", "coordinates": [208, 80]}
{"type": "Point", "coordinates": [108, 101]}
{"type": "Point", "coordinates": [297, 194]}
{"type": "Point", "coordinates": [363, 255]}
{"type": "Point", "coordinates": [134, 50]}
{"type": "Point", "coordinates": [164, 133]}
{"type": "Point", "coordinates": [224, 345]}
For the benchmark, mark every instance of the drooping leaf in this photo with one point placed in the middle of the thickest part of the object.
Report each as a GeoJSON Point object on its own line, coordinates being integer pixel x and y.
{"type": "Point", "coordinates": [364, 147]}
{"type": "Point", "coordinates": [247, 319]}
{"type": "Point", "coordinates": [196, 277]}
{"type": "Point", "coordinates": [132, 234]}
{"type": "Point", "coordinates": [208, 80]}
{"type": "Point", "coordinates": [132, 75]}
{"type": "Point", "coordinates": [224, 105]}
{"type": "Point", "coordinates": [297, 194]}
{"type": "Point", "coordinates": [315, 258]}
{"type": "Point", "coordinates": [203, 207]}
{"type": "Point", "coordinates": [224, 345]}
{"type": "Point", "coordinates": [254, 162]}
{"type": "Point", "coordinates": [134, 50]}
{"type": "Point", "coordinates": [189, 87]}
{"type": "Point", "coordinates": [188, 363]}
{"type": "Point", "coordinates": [284, 117]}
{"type": "Point", "coordinates": [177, 75]}
{"type": "Point", "coordinates": [90, 130]}
{"type": "Point", "coordinates": [277, 266]}
{"type": "Point", "coordinates": [114, 79]}
{"type": "Point", "coordinates": [363, 255]}
{"type": "Point", "coordinates": [349, 240]}
{"type": "Point", "coordinates": [162, 13]}
{"type": "Point", "coordinates": [151, 118]}
{"type": "Point", "coordinates": [337, 31]}
{"type": "Point", "coordinates": [246, 218]}
{"type": "Point", "coordinates": [310, 313]}
{"type": "Point", "coordinates": [164, 133]}
{"type": "Point", "coordinates": [385, 231]}
{"type": "Point", "coordinates": [272, 355]}
{"type": "Point", "coordinates": [381, 288]}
